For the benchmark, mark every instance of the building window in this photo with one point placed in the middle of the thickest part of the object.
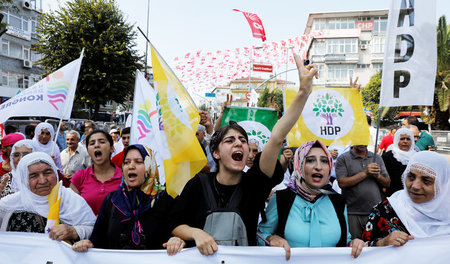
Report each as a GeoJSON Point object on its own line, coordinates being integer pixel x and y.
{"type": "Point", "coordinates": [34, 25]}
{"type": "Point", "coordinates": [321, 69]}
{"type": "Point", "coordinates": [318, 48]}
{"type": "Point", "coordinates": [378, 67]}
{"type": "Point", "coordinates": [340, 72]}
{"type": "Point", "coordinates": [378, 44]}
{"type": "Point", "coordinates": [362, 66]}
{"type": "Point", "coordinates": [26, 53]}
{"type": "Point", "coordinates": [319, 24]}
{"type": "Point", "coordinates": [342, 23]}
{"type": "Point", "coordinates": [17, 21]}
{"type": "Point", "coordinates": [342, 46]}
{"type": "Point", "coordinates": [380, 24]}
{"type": "Point", "coordinates": [5, 47]}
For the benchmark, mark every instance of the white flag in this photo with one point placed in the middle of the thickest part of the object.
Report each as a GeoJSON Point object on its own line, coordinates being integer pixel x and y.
{"type": "Point", "coordinates": [409, 68]}
{"type": "Point", "coordinates": [52, 96]}
{"type": "Point", "coordinates": [146, 121]}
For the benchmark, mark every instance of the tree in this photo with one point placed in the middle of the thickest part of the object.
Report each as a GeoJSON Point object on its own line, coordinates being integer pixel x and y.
{"type": "Point", "coordinates": [265, 98]}
{"type": "Point", "coordinates": [328, 107]}
{"type": "Point", "coordinates": [371, 99]}
{"type": "Point", "coordinates": [110, 61]}
{"type": "Point", "coordinates": [440, 109]}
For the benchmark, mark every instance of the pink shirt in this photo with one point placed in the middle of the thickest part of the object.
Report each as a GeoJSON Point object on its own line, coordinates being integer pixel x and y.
{"type": "Point", "coordinates": [92, 190]}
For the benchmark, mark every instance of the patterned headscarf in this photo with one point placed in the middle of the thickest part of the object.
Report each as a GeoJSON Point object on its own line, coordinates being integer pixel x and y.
{"type": "Point", "coordinates": [131, 202]}
{"type": "Point", "coordinates": [295, 184]}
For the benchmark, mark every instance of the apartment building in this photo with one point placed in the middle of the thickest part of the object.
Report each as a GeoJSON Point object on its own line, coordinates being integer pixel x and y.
{"type": "Point", "coordinates": [351, 44]}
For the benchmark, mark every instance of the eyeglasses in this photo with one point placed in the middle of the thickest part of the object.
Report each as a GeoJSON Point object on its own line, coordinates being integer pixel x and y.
{"type": "Point", "coordinates": [18, 154]}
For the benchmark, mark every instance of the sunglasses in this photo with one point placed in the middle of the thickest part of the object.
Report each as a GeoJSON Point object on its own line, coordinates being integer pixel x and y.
{"type": "Point", "coordinates": [18, 154]}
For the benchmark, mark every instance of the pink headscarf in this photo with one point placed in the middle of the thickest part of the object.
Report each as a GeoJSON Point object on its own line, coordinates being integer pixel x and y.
{"type": "Point", "coordinates": [295, 184]}
{"type": "Point", "coordinates": [10, 140]}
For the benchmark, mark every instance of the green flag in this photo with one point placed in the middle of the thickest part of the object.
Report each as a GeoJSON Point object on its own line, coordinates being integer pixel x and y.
{"type": "Point", "coordinates": [257, 121]}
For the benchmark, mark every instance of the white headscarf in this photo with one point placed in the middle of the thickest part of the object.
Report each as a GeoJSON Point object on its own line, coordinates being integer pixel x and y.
{"type": "Point", "coordinates": [73, 208]}
{"type": "Point", "coordinates": [15, 180]}
{"type": "Point", "coordinates": [403, 156]}
{"type": "Point", "coordinates": [51, 148]}
{"type": "Point", "coordinates": [431, 218]}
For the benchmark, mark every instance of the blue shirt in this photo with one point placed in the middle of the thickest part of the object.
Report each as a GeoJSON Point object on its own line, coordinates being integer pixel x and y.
{"type": "Point", "coordinates": [61, 141]}
{"type": "Point", "coordinates": [308, 224]}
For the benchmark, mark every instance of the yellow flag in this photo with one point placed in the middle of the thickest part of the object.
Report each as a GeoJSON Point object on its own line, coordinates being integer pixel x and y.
{"type": "Point", "coordinates": [334, 116]}
{"type": "Point", "coordinates": [54, 201]}
{"type": "Point", "coordinates": [183, 155]}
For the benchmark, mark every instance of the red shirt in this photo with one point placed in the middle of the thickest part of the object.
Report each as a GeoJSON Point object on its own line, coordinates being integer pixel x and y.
{"type": "Point", "coordinates": [118, 159]}
{"type": "Point", "coordinates": [92, 190]}
{"type": "Point", "coordinates": [386, 142]}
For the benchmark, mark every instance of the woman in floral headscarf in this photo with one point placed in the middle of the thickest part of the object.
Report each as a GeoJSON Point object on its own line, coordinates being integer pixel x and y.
{"type": "Point", "coordinates": [134, 216]}
{"type": "Point", "coordinates": [308, 213]}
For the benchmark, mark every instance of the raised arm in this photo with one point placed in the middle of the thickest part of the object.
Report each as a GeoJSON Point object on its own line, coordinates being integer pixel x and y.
{"type": "Point", "coordinates": [225, 104]}
{"type": "Point", "coordinates": [283, 126]}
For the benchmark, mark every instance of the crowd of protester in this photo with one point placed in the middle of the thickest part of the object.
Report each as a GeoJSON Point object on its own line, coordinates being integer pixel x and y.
{"type": "Point", "coordinates": [248, 194]}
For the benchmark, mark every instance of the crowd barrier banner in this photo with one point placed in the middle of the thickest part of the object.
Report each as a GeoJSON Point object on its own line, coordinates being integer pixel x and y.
{"type": "Point", "coordinates": [409, 65]}
{"type": "Point", "coordinates": [38, 248]}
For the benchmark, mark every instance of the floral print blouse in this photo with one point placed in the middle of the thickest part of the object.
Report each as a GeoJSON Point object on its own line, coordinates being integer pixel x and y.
{"type": "Point", "coordinates": [382, 221]}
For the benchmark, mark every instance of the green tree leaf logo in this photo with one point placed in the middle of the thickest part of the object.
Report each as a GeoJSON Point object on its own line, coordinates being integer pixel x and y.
{"type": "Point", "coordinates": [327, 107]}
{"type": "Point", "coordinates": [260, 135]}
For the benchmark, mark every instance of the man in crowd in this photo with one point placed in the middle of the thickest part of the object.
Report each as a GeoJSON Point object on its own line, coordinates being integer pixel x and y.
{"type": "Point", "coordinates": [29, 131]}
{"type": "Point", "coordinates": [117, 159]}
{"type": "Point", "coordinates": [425, 140]}
{"type": "Point", "coordinates": [201, 137]}
{"type": "Point", "coordinates": [89, 126]}
{"type": "Point", "coordinates": [360, 177]}
{"type": "Point", "coordinates": [61, 136]}
{"type": "Point", "coordinates": [387, 140]}
{"type": "Point", "coordinates": [74, 157]}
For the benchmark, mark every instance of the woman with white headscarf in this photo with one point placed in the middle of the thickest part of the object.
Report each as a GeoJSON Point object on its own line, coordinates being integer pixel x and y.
{"type": "Point", "coordinates": [43, 138]}
{"type": "Point", "coordinates": [20, 149]}
{"type": "Point", "coordinates": [422, 209]}
{"type": "Point", "coordinates": [27, 210]}
{"type": "Point", "coordinates": [398, 157]}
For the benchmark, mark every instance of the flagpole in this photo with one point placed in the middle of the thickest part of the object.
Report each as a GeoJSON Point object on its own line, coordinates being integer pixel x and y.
{"type": "Point", "coordinates": [376, 138]}
{"type": "Point", "coordinates": [169, 68]}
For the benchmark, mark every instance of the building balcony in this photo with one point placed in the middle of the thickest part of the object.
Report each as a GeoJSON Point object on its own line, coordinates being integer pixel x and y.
{"type": "Point", "coordinates": [377, 57]}
{"type": "Point", "coordinates": [342, 58]}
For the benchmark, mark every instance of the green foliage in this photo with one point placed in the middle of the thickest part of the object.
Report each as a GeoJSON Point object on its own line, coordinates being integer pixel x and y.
{"type": "Point", "coordinates": [266, 95]}
{"type": "Point", "coordinates": [371, 99]}
{"type": "Point", "coordinates": [110, 61]}
{"type": "Point", "coordinates": [440, 109]}
{"type": "Point", "coordinates": [327, 104]}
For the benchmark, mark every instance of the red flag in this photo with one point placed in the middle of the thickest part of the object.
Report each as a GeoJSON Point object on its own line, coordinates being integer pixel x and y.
{"type": "Point", "coordinates": [255, 24]}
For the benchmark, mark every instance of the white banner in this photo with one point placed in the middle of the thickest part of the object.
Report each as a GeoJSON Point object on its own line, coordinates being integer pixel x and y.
{"type": "Point", "coordinates": [145, 123]}
{"type": "Point", "coordinates": [52, 96]}
{"type": "Point", "coordinates": [409, 66]}
{"type": "Point", "coordinates": [38, 248]}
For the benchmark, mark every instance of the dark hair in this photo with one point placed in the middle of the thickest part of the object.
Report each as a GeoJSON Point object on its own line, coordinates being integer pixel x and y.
{"type": "Point", "coordinates": [220, 134]}
{"type": "Point", "coordinates": [10, 129]}
{"type": "Point", "coordinates": [369, 120]}
{"type": "Point", "coordinates": [412, 120]}
{"type": "Point", "coordinates": [126, 130]}
{"type": "Point", "coordinates": [108, 137]}
{"type": "Point", "coordinates": [29, 130]}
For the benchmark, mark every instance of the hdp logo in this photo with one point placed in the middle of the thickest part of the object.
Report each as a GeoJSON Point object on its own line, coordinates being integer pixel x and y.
{"type": "Point", "coordinates": [144, 124]}
{"type": "Point", "coordinates": [328, 114]}
{"type": "Point", "coordinates": [328, 107]}
{"type": "Point", "coordinates": [57, 92]}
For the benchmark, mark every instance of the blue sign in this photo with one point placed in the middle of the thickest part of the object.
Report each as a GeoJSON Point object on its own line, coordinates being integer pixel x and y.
{"type": "Point", "coordinates": [210, 95]}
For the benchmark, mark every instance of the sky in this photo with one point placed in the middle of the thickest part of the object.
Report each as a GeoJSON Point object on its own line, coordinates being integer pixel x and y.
{"type": "Point", "coordinates": [177, 27]}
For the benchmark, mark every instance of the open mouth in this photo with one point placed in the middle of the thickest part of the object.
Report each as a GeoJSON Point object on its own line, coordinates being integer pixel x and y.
{"type": "Point", "coordinates": [317, 177]}
{"type": "Point", "coordinates": [237, 156]}
{"type": "Point", "coordinates": [97, 153]}
{"type": "Point", "coordinates": [132, 175]}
